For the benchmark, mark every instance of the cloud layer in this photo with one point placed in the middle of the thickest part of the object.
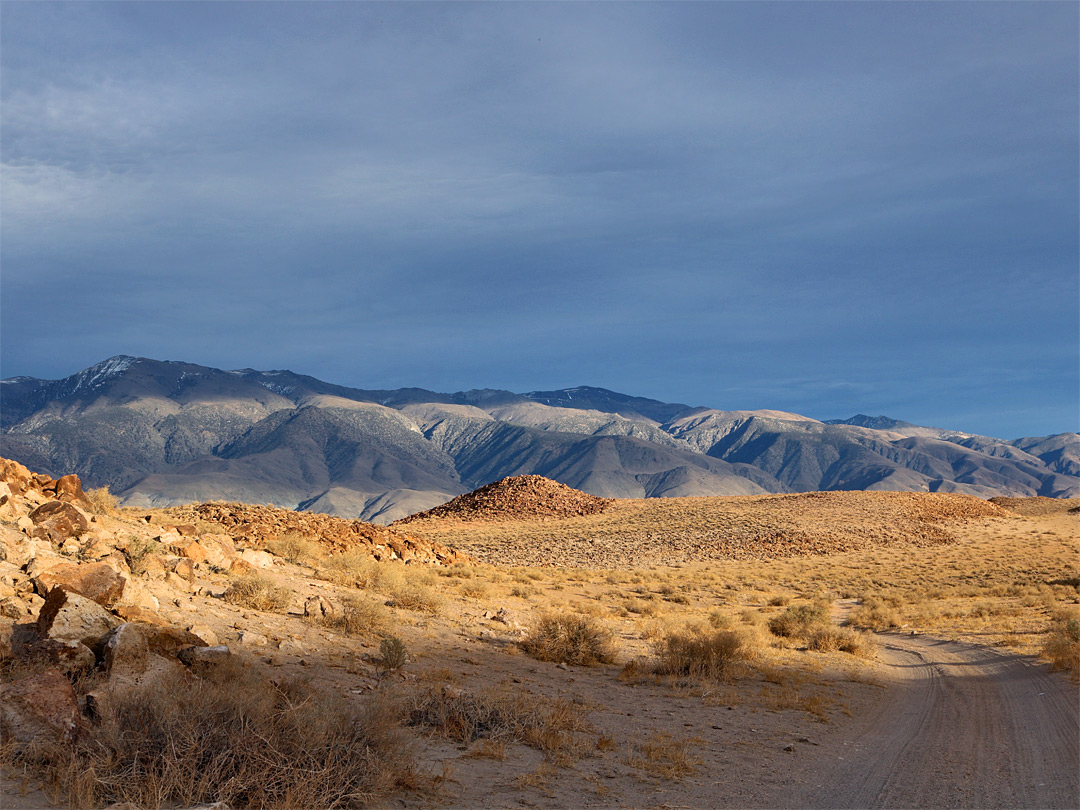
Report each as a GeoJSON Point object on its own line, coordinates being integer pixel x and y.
{"type": "Point", "coordinates": [812, 207]}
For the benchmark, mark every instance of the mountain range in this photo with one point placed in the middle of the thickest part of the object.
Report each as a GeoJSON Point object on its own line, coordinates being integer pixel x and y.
{"type": "Point", "coordinates": [162, 433]}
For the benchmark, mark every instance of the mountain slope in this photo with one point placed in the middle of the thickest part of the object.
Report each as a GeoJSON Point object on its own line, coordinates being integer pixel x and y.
{"type": "Point", "coordinates": [172, 432]}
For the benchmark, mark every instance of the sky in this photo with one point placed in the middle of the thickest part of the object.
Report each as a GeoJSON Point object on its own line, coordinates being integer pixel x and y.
{"type": "Point", "coordinates": [822, 208]}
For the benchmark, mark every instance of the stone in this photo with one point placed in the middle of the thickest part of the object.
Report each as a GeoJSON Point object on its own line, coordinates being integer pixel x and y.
{"type": "Point", "coordinates": [96, 581]}
{"type": "Point", "coordinates": [177, 581]}
{"type": "Point", "coordinates": [185, 529]}
{"type": "Point", "coordinates": [97, 548]}
{"type": "Point", "coordinates": [60, 519]}
{"type": "Point", "coordinates": [66, 656]}
{"type": "Point", "coordinates": [208, 636]}
{"type": "Point", "coordinates": [135, 613]}
{"type": "Point", "coordinates": [240, 568]}
{"type": "Point", "coordinates": [72, 617]}
{"type": "Point", "coordinates": [69, 488]}
{"type": "Point", "coordinates": [192, 551]}
{"type": "Point", "coordinates": [201, 658]}
{"type": "Point", "coordinates": [257, 558]}
{"type": "Point", "coordinates": [41, 708]}
{"type": "Point", "coordinates": [138, 595]}
{"type": "Point", "coordinates": [185, 568]}
{"type": "Point", "coordinates": [321, 609]}
{"type": "Point", "coordinates": [290, 646]}
{"type": "Point", "coordinates": [25, 524]}
{"type": "Point", "coordinates": [126, 650]}
{"type": "Point", "coordinates": [249, 638]}
{"type": "Point", "coordinates": [15, 547]}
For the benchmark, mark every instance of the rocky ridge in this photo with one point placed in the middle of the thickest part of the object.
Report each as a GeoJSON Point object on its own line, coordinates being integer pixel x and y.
{"type": "Point", "coordinates": [521, 497]}
{"type": "Point", "coordinates": [255, 525]}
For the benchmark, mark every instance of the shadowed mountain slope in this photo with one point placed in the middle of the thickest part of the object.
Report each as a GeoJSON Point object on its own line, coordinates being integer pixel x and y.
{"type": "Point", "coordinates": [161, 433]}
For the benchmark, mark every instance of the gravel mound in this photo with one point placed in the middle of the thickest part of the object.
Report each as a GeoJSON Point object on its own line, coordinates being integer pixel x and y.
{"type": "Point", "coordinates": [1039, 505]}
{"type": "Point", "coordinates": [254, 525]}
{"type": "Point", "coordinates": [526, 497]}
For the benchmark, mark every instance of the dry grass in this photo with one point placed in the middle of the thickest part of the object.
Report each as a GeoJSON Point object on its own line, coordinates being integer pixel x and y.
{"type": "Point", "coordinates": [556, 728]}
{"type": "Point", "coordinates": [1062, 645]}
{"type": "Point", "coordinates": [296, 548]}
{"type": "Point", "coordinates": [703, 655]}
{"type": "Point", "coordinates": [258, 592]}
{"type": "Point", "coordinates": [103, 501]}
{"type": "Point", "coordinates": [236, 737]}
{"type": "Point", "coordinates": [842, 639]}
{"type": "Point", "coordinates": [359, 617]}
{"type": "Point", "coordinates": [665, 756]}
{"type": "Point", "coordinates": [799, 621]}
{"type": "Point", "coordinates": [570, 638]}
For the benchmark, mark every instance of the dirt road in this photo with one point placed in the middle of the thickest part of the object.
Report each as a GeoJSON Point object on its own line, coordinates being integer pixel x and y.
{"type": "Point", "coordinates": [961, 726]}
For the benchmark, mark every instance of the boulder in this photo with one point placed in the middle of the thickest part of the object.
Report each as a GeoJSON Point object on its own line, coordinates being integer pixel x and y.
{"type": "Point", "coordinates": [241, 568]}
{"type": "Point", "coordinates": [97, 581]}
{"type": "Point", "coordinates": [66, 656]}
{"type": "Point", "coordinates": [126, 650]}
{"type": "Point", "coordinates": [321, 609]}
{"type": "Point", "coordinates": [143, 615]}
{"type": "Point", "coordinates": [257, 558]}
{"type": "Point", "coordinates": [192, 550]}
{"type": "Point", "coordinates": [69, 488]}
{"type": "Point", "coordinates": [41, 708]}
{"type": "Point", "coordinates": [185, 568]}
{"type": "Point", "coordinates": [71, 617]}
{"type": "Point", "coordinates": [61, 519]}
{"type": "Point", "coordinates": [199, 659]}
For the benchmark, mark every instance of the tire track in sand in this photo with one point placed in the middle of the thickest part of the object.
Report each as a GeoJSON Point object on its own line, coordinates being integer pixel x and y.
{"type": "Point", "coordinates": [961, 726]}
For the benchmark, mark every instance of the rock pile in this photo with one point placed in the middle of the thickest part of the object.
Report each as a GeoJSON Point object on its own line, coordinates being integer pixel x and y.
{"type": "Point", "coordinates": [254, 525]}
{"type": "Point", "coordinates": [525, 497]}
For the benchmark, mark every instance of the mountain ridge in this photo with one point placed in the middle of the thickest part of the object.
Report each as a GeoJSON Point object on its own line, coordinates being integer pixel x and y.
{"type": "Point", "coordinates": [169, 432]}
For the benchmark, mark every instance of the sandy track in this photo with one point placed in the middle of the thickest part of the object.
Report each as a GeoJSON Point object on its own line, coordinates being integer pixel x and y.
{"type": "Point", "coordinates": [961, 726]}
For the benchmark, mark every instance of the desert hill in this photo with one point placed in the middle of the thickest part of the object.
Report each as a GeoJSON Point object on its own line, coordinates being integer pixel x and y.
{"type": "Point", "coordinates": [522, 497]}
{"type": "Point", "coordinates": [169, 433]}
{"type": "Point", "coordinates": [680, 531]}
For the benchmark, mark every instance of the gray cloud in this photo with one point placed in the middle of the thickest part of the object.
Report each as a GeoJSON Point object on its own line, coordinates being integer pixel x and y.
{"type": "Point", "coordinates": [812, 207]}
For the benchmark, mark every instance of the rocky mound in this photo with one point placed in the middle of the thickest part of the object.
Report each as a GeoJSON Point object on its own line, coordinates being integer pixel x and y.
{"type": "Point", "coordinates": [1032, 507]}
{"type": "Point", "coordinates": [525, 497]}
{"type": "Point", "coordinates": [254, 525]}
{"type": "Point", "coordinates": [675, 531]}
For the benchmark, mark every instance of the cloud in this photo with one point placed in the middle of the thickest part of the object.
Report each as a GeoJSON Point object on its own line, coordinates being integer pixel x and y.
{"type": "Point", "coordinates": [665, 196]}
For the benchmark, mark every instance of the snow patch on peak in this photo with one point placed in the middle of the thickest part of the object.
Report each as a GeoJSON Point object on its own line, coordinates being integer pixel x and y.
{"type": "Point", "coordinates": [100, 373]}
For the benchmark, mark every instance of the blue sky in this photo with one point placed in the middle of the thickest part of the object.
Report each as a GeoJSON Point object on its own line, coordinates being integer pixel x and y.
{"type": "Point", "coordinates": [823, 208]}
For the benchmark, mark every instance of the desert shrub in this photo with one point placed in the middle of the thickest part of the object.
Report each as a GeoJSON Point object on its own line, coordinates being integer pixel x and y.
{"type": "Point", "coordinates": [138, 551]}
{"type": "Point", "coordinates": [665, 756]}
{"type": "Point", "coordinates": [414, 596]}
{"type": "Point", "coordinates": [103, 501]}
{"type": "Point", "coordinates": [550, 726]}
{"type": "Point", "coordinates": [392, 654]}
{"type": "Point", "coordinates": [841, 639]}
{"type": "Point", "coordinates": [718, 619]}
{"type": "Point", "coordinates": [358, 617]}
{"type": "Point", "coordinates": [875, 614]}
{"type": "Point", "coordinates": [475, 590]}
{"type": "Point", "coordinates": [706, 655]}
{"type": "Point", "coordinates": [296, 548]}
{"type": "Point", "coordinates": [570, 638]}
{"type": "Point", "coordinates": [798, 621]}
{"type": "Point", "coordinates": [352, 569]}
{"type": "Point", "coordinates": [1062, 646]}
{"type": "Point", "coordinates": [243, 740]}
{"type": "Point", "coordinates": [258, 592]}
